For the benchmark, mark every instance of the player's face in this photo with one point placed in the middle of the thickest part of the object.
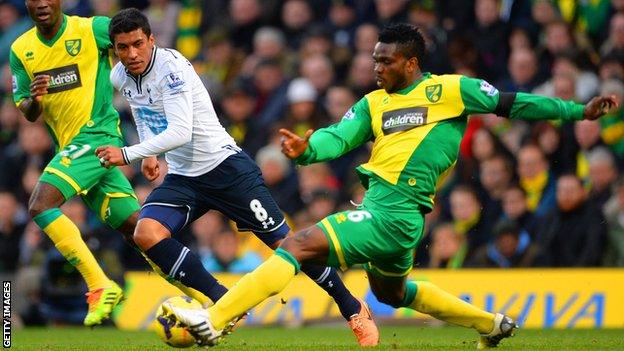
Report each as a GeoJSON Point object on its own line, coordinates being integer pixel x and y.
{"type": "Point", "coordinates": [393, 71]}
{"type": "Point", "coordinates": [134, 49]}
{"type": "Point", "coordinates": [45, 13]}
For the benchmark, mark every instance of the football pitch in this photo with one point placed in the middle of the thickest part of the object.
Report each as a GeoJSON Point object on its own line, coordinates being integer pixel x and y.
{"type": "Point", "coordinates": [316, 338]}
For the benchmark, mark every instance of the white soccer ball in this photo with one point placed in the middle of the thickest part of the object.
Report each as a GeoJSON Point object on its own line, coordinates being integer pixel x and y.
{"type": "Point", "coordinates": [169, 329]}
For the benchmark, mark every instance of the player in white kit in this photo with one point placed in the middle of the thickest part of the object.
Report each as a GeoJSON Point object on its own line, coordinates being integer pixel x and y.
{"type": "Point", "coordinates": [174, 115]}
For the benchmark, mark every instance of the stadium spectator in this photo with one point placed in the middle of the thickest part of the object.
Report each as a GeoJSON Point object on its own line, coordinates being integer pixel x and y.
{"type": "Point", "coordinates": [495, 175]}
{"type": "Point", "coordinates": [423, 14]}
{"type": "Point", "coordinates": [448, 248]}
{"type": "Point", "coordinates": [280, 177]}
{"type": "Point", "coordinates": [12, 225]}
{"type": "Point", "coordinates": [547, 136]}
{"type": "Point", "coordinates": [319, 70]}
{"type": "Point", "coordinates": [220, 64]}
{"type": "Point", "coordinates": [603, 173]}
{"type": "Point", "coordinates": [467, 217]}
{"type": "Point", "coordinates": [611, 67]}
{"type": "Point", "coordinates": [238, 118]}
{"type": "Point", "coordinates": [12, 25]}
{"type": "Point", "coordinates": [303, 112]}
{"type": "Point", "coordinates": [226, 256]}
{"type": "Point", "coordinates": [163, 14]}
{"type": "Point", "coordinates": [342, 22]}
{"type": "Point", "coordinates": [365, 38]}
{"type": "Point", "coordinates": [245, 19]}
{"type": "Point", "coordinates": [572, 234]}
{"type": "Point", "coordinates": [489, 34]}
{"type": "Point", "coordinates": [536, 180]}
{"type": "Point", "coordinates": [297, 15]}
{"type": "Point", "coordinates": [271, 85]}
{"type": "Point", "coordinates": [316, 176]}
{"type": "Point", "coordinates": [612, 125]}
{"type": "Point", "coordinates": [614, 45]}
{"type": "Point", "coordinates": [514, 205]}
{"type": "Point", "coordinates": [361, 78]}
{"type": "Point", "coordinates": [390, 11]}
{"type": "Point", "coordinates": [587, 135]}
{"type": "Point", "coordinates": [511, 247]}
{"type": "Point", "coordinates": [614, 215]}
{"type": "Point", "coordinates": [523, 73]}
{"type": "Point", "coordinates": [269, 43]}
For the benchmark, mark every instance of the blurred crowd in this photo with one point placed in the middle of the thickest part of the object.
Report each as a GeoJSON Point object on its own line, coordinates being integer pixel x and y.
{"type": "Point", "coordinates": [546, 194]}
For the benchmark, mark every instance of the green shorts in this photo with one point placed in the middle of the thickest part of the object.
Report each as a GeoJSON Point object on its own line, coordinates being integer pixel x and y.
{"type": "Point", "coordinates": [382, 241]}
{"type": "Point", "coordinates": [76, 170]}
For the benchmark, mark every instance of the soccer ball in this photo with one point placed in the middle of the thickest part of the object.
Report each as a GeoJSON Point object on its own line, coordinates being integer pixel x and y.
{"type": "Point", "coordinates": [169, 329]}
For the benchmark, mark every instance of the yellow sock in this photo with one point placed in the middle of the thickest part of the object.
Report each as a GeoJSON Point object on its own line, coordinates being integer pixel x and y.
{"type": "Point", "coordinates": [439, 304]}
{"type": "Point", "coordinates": [268, 279]}
{"type": "Point", "coordinates": [188, 291]}
{"type": "Point", "coordinates": [66, 237]}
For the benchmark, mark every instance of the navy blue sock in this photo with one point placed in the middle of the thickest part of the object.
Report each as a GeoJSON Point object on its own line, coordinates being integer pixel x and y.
{"type": "Point", "coordinates": [179, 263]}
{"type": "Point", "coordinates": [328, 279]}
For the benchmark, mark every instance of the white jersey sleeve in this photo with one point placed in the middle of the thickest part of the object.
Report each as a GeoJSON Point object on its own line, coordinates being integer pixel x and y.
{"type": "Point", "coordinates": [177, 101]}
{"type": "Point", "coordinates": [174, 115]}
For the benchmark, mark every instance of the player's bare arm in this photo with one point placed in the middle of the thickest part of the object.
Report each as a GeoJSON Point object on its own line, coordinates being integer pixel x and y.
{"type": "Point", "coordinates": [31, 107]}
{"type": "Point", "coordinates": [293, 145]}
{"type": "Point", "coordinates": [599, 106]}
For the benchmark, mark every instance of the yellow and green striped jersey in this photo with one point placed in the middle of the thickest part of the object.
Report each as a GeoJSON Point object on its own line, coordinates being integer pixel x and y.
{"type": "Point", "coordinates": [416, 133]}
{"type": "Point", "coordinates": [78, 60]}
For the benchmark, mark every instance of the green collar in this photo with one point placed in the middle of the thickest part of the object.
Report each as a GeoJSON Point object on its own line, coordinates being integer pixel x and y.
{"type": "Point", "coordinates": [406, 90]}
{"type": "Point", "coordinates": [58, 34]}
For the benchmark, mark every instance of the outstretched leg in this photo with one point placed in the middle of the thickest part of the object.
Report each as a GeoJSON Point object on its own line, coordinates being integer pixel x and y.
{"type": "Point", "coordinates": [172, 258]}
{"type": "Point", "coordinates": [127, 229]}
{"type": "Point", "coordinates": [329, 280]}
{"type": "Point", "coordinates": [425, 297]}
{"type": "Point", "coordinates": [271, 277]}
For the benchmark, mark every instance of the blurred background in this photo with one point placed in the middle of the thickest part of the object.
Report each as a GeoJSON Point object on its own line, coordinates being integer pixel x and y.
{"type": "Point", "coordinates": [545, 194]}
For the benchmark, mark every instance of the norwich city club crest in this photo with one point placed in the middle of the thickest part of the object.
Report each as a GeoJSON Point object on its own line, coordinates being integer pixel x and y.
{"type": "Point", "coordinates": [433, 92]}
{"type": "Point", "coordinates": [73, 46]}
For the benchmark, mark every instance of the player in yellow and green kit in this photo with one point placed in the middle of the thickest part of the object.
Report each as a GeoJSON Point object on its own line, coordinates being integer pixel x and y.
{"type": "Point", "coordinates": [416, 122]}
{"type": "Point", "coordinates": [61, 71]}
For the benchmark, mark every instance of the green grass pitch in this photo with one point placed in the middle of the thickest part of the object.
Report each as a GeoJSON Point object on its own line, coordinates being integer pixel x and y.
{"type": "Point", "coordinates": [316, 338]}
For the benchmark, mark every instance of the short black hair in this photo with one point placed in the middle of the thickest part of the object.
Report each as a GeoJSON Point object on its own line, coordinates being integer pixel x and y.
{"type": "Point", "coordinates": [408, 38]}
{"type": "Point", "coordinates": [506, 226]}
{"type": "Point", "coordinates": [128, 20]}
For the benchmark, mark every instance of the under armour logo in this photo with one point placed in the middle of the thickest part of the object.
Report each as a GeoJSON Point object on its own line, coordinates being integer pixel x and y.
{"type": "Point", "coordinates": [330, 284]}
{"type": "Point", "coordinates": [182, 274]}
{"type": "Point", "coordinates": [127, 93]}
{"type": "Point", "coordinates": [268, 222]}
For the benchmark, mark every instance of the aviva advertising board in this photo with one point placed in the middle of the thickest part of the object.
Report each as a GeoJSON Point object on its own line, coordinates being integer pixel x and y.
{"type": "Point", "coordinates": [569, 298]}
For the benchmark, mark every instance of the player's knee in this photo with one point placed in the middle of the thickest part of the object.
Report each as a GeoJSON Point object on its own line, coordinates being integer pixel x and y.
{"type": "Point", "coordinates": [36, 207]}
{"type": "Point", "coordinates": [292, 246]}
{"type": "Point", "coordinates": [149, 233]}
{"type": "Point", "coordinates": [128, 226]}
{"type": "Point", "coordinates": [392, 298]}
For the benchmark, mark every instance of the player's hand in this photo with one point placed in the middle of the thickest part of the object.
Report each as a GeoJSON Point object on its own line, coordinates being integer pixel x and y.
{"type": "Point", "coordinates": [39, 87]}
{"type": "Point", "coordinates": [599, 106]}
{"type": "Point", "coordinates": [150, 168]}
{"type": "Point", "coordinates": [292, 144]}
{"type": "Point", "coordinates": [109, 156]}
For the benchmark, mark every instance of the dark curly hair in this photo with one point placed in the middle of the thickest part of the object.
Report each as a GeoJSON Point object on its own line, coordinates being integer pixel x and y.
{"type": "Point", "coordinates": [128, 20]}
{"type": "Point", "coordinates": [410, 43]}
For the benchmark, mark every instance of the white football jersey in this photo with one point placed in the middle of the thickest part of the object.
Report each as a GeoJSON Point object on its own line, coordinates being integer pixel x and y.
{"type": "Point", "coordinates": [174, 115]}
